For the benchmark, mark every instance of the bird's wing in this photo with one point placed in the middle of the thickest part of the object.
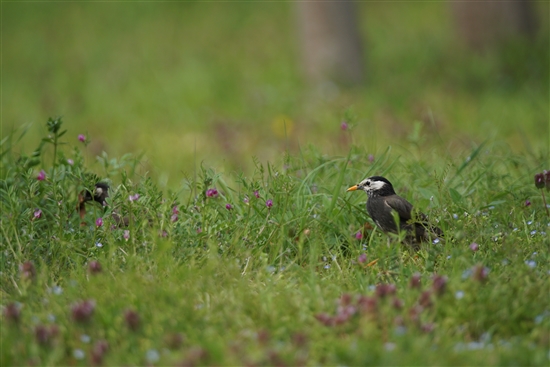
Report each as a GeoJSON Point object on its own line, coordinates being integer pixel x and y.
{"type": "Point", "coordinates": [401, 206]}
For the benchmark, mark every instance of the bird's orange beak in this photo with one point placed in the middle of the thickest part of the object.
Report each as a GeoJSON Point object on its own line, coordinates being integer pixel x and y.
{"type": "Point", "coordinates": [353, 188]}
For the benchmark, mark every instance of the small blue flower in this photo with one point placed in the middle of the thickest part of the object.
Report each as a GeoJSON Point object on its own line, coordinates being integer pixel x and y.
{"type": "Point", "coordinates": [85, 338]}
{"type": "Point", "coordinates": [459, 294]}
{"type": "Point", "coordinates": [78, 354]}
{"type": "Point", "coordinates": [531, 263]}
{"type": "Point", "coordinates": [466, 274]}
{"type": "Point", "coordinates": [152, 355]}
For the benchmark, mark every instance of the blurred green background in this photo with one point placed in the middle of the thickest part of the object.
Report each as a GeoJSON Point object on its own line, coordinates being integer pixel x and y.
{"type": "Point", "coordinates": [220, 82]}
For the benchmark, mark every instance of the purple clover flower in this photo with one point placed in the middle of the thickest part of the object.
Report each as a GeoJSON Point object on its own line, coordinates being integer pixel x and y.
{"type": "Point", "coordinates": [474, 246]}
{"type": "Point", "coordinates": [70, 161]}
{"type": "Point", "coordinates": [126, 234]}
{"type": "Point", "coordinates": [527, 202]}
{"type": "Point", "coordinates": [257, 194]}
{"type": "Point", "coordinates": [12, 312]}
{"type": "Point", "coordinates": [344, 126]}
{"type": "Point", "coordinates": [81, 138]}
{"type": "Point", "coordinates": [27, 270]}
{"type": "Point", "coordinates": [133, 197]}
{"type": "Point", "coordinates": [37, 214]}
{"type": "Point", "coordinates": [480, 273]}
{"type": "Point", "coordinates": [439, 284]}
{"type": "Point", "coordinates": [83, 311]}
{"type": "Point", "coordinates": [41, 175]}
{"type": "Point", "coordinates": [362, 258]}
{"type": "Point", "coordinates": [94, 267]}
{"type": "Point", "coordinates": [359, 235]}
{"type": "Point", "coordinates": [269, 203]}
{"type": "Point", "coordinates": [416, 280]}
{"type": "Point", "coordinates": [99, 222]}
{"type": "Point", "coordinates": [228, 206]}
{"type": "Point", "coordinates": [212, 193]}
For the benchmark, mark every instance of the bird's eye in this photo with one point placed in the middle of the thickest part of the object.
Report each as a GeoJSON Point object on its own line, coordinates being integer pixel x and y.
{"type": "Point", "coordinates": [367, 183]}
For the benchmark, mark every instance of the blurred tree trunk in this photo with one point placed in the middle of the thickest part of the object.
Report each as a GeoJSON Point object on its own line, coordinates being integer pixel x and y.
{"type": "Point", "coordinates": [484, 24]}
{"type": "Point", "coordinates": [330, 42]}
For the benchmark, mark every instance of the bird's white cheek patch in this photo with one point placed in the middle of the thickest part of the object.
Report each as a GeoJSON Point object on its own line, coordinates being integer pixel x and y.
{"type": "Point", "coordinates": [376, 185]}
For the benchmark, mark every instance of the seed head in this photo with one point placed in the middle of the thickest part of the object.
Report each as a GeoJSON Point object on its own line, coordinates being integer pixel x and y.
{"type": "Point", "coordinates": [132, 319]}
{"type": "Point", "coordinates": [540, 180]}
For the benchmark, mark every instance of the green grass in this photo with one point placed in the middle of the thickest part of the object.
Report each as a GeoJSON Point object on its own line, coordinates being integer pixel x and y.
{"type": "Point", "coordinates": [179, 98]}
{"type": "Point", "coordinates": [252, 285]}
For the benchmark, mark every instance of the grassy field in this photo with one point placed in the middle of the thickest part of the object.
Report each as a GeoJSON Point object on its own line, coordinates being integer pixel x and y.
{"type": "Point", "coordinates": [277, 268]}
{"type": "Point", "coordinates": [243, 246]}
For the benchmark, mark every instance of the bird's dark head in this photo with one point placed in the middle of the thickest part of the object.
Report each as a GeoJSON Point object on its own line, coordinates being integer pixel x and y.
{"type": "Point", "coordinates": [374, 186]}
{"type": "Point", "coordinates": [100, 194]}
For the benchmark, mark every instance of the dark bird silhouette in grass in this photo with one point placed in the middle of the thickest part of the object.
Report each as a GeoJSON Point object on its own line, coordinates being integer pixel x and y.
{"type": "Point", "coordinates": [100, 195]}
{"type": "Point", "coordinates": [385, 206]}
